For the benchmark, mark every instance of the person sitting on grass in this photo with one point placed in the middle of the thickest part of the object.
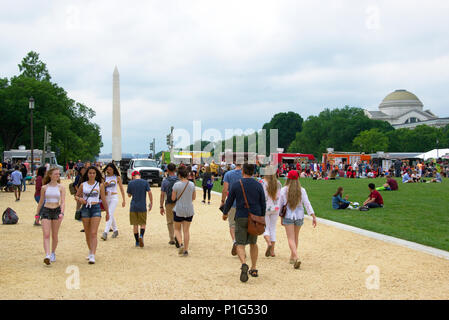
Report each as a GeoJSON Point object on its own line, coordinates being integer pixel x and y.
{"type": "Point", "coordinates": [437, 179]}
{"type": "Point", "coordinates": [406, 178]}
{"type": "Point", "coordinates": [374, 200]}
{"type": "Point", "coordinates": [390, 185]}
{"type": "Point", "coordinates": [337, 200]}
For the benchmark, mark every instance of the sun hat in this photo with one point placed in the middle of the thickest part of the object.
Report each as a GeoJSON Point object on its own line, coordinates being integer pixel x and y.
{"type": "Point", "coordinates": [135, 173]}
{"type": "Point", "coordinates": [293, 175]}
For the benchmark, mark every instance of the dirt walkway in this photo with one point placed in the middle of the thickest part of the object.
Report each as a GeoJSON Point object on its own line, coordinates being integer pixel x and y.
{"type": "Point", "coordinates": [336, 264]}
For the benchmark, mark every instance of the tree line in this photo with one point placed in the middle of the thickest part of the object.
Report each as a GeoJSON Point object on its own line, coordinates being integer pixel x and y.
{"type": "Point", "coordinates": [344, 129]}
{"type": "Point", "coordinates": [74, 136]}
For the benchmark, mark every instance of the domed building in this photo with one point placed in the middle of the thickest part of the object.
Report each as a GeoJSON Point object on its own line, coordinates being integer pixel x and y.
{"type": "Point", "coordinates": [402, 109]}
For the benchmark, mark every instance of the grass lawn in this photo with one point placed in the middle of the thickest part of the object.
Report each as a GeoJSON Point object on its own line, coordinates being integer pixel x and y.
{"type": "Point", "coordinates": [416, 212]}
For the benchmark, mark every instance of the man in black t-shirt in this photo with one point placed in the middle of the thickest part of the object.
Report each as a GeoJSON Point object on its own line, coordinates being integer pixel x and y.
{"type": "Point", "coordinates": [24, 171]}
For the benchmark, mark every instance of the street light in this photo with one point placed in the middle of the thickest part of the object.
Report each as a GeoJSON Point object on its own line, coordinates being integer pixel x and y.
{"type": "Point", "coordinates": [31, 105]}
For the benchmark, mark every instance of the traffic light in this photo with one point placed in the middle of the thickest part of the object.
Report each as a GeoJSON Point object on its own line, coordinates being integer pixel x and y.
{"type": "Point", "coordinates": [48, 137]}
{"type": "Point", "coordinates": [151, 146]}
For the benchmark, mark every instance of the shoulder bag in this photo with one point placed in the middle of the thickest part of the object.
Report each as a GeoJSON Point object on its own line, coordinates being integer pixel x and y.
{"type": "Point", "coordinates": [256, 224]}
{"type": "Point", "coordinates": [78, 212]}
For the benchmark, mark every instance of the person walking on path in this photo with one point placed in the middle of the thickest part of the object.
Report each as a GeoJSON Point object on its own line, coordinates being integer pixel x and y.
{"type": "Point", "coordinates": [184, 194]}
{"type": "Point", "coordinates": [113, 181]}
{"type": "Point", "coordinates": [37, 194]}
{"type": "Point", "coordinates": [53, 212]}
{"type": "Point", "coordinates": [207, 184]}
{"type": "Point", "coordinates": [229, 179]}
{"type": "Point", "coordinates": [272, 189]}
{"type": "Point", "coordinates": [295, 198]}
{"type": "Point", "coordinates": [137, 189]}
{"type": "Point", "coordinates": [16, 179]}
{"type": "Point", "coordinates": [166, 193]}
{"type": "Point", "coordinates": [24, 171]}
{"type": "Point", "coordinates": [255, 198]}
{"type": "Point", "coordinates": [89, 194]}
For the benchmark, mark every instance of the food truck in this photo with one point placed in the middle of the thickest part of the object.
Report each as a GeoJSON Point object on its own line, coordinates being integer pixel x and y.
{"type": "Point", "coordinates": [335, 158]}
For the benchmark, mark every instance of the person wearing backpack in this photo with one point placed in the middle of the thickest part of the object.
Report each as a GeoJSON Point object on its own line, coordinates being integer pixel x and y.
{"type": "Point", "coordinates": [207, 184]}
{"type": "Point", "coordinates": [184, 194]}
{"type": "Point", "coordinates": [166, 193]}
{"type": "Point", "coordinates": [53, 212]}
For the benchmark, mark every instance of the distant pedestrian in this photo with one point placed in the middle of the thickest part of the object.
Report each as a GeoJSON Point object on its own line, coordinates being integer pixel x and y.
{"type": "Point", "coordinates": [16, 179]}
{"type": "Point", "coordinates": [138, 189]}
{"type": "Point", "coordinates": [166, 193]}
{"type": "Point", "coordinates": [184, 194]}
{"type": "Point", "coordinates": [53, 194]}
{"type": "Point", "coordinates": [207, 184]}
{"type": "Point", "coordinates": [37, 194]}
{"type": "Point", "coordinates": [24, 171]}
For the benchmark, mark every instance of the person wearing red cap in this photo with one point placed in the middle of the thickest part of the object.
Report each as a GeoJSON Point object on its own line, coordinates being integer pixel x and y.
{"type": "Point", "coordinates": [295, 198]}
{"type": "Point", "coordinates": [137, 189]}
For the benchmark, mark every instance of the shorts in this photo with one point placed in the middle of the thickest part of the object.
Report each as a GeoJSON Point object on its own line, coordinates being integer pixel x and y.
{"type": "Point", "coordinates": [181, 219]}
{"type": "Point", "coordinates": [91, 212]}
{"type": "Point", "coordinates": [296, 222]}
{"type": "Point", "coordinates": [50, 214]}
{"type": "Point", "coordinates": [138, 218]}
{"type": "Point", "coordinates": [17, 187]}
{"type": "Point", "coordinates": [242, 237]}
{"type": "Point", "coordinates": [231, 218]}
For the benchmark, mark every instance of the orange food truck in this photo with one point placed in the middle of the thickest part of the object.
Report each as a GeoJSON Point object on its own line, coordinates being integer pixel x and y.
{"type": "Point", "coordinates": [335, 158]}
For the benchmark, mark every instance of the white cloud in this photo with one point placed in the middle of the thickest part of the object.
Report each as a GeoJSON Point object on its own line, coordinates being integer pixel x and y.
{"type": "Point", "coordinates": [230, 63]}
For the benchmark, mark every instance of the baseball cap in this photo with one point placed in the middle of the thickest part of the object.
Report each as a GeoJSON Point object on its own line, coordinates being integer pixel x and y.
{"type": "Point", "coordinates": [135, 173]}
{"type": "Point", "coordinates": [292, 175]}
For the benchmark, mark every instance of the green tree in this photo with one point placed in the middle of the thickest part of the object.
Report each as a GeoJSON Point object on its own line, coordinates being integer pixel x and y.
{"type": "Point", "coordinates": [32, 67]}
{"type": "Point", "coordinates": [73, 133]}
{"type": "Point", "coordinates": [371, 141]}
{"type": "Point", "coordinates": [288, 124]}
{"type": "Point", "coordinates": [336, 129]}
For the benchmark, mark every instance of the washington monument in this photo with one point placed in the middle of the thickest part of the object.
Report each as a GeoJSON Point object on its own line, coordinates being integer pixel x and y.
{"type": "Point", "coordinates": [116, 126]}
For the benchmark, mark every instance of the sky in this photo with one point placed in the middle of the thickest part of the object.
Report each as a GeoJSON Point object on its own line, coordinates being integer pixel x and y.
{"type": "Point", "coordinates": [229, 64]}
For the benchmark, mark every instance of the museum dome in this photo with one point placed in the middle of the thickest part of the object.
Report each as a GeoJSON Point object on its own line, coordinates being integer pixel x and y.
{"type": "Point", "coordinates": [400, 101]}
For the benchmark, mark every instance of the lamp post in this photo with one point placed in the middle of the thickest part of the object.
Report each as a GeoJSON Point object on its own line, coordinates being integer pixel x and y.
{"type": "Point", "coordinates": [31, 105]}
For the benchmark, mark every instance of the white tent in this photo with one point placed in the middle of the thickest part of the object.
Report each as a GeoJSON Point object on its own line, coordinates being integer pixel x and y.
{"type": "Point", "coordinates": [433, 154]}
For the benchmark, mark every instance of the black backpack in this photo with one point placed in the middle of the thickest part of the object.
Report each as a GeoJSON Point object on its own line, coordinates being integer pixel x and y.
{"type": "Point", "coordinates": [9, 216]}
{"type": "Point", "coordinates": [170, 190]}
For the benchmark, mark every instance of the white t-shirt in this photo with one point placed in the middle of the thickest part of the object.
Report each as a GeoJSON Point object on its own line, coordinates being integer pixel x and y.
{"type": "Point", "coordinates": [298, 213]}
{"type": "Point", "coordinates": [271, 205]}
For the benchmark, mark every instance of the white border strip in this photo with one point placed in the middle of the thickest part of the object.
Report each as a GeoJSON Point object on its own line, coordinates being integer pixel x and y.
{"type": "Point", "coordinates": [378, 236]}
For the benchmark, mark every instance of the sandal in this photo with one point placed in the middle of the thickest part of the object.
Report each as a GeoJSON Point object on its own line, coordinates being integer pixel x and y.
{"type": "Point", "coordinates": [297, 264]}
{"type": "Point", "coordinates": [268, 252]}
{"type": "Point", "coordinates": [244, 273]}
{"type": "Point", "coordinates": [253, 273]}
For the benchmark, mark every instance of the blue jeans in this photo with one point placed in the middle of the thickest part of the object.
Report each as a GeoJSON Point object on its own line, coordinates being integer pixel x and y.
{"type": "Point", "coordinates": [91, 212]}
{"type": "Point", "coordinates": [24, 184]}
{"type": "Point", "coordinates": [298, 222]}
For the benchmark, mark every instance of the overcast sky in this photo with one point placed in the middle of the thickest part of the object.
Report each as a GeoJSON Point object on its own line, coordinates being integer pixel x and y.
{"type": "Point", "coordinates": [230, 64]}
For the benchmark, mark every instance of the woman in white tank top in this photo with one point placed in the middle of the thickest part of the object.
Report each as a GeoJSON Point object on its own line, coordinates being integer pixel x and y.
{"type": "Point", "coordinates": [113, 181]}
{"type": "Point", "coordinates": [53, 193]}
{"type": "Point", "coordinates": [89, 194]}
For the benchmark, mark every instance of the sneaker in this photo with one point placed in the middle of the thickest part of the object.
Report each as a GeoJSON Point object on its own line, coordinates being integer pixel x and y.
{"type": "Point", "coordinates": [88, 256]}
{"type": "Point", "coordinates": [115, 234]}
{"type": "Point", "coordinates": [141, 242]}
{"type": "Point", "coordinates": [52, 257]}
{"type": "Point", "coordinates": [181, 250]}
{"type": "Point", "coordinates": [104, 236]}
{"type": "Point", "coordinates": [47, 260]}
{"type": "Point", "coordinates": [185, 254]}
{"type": "Point", "coordinates": [204, 201]}
{"type": "Point", "coordinates": [137, 243]}
{"type": "Point", "coordinates": [92, 259]}
{"type": "Point", "coordinates": [234, 249]}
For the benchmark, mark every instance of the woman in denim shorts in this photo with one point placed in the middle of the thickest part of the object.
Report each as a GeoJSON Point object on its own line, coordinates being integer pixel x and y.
{"type": "Point", "coordinates": [89, 194]}
{"type": "Point", "coordinates": [295, 197]}
{"type": "Point", "coordinates": [53, 194]}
